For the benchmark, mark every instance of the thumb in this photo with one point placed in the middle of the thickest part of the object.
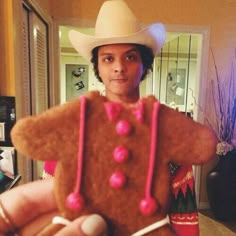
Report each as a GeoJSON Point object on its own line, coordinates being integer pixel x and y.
{"type": "Point", "coordinates": [94, 225]}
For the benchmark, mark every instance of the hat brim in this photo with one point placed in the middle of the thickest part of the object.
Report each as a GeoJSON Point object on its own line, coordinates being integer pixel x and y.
{"type": "Point", "coordinates": [152, 36]}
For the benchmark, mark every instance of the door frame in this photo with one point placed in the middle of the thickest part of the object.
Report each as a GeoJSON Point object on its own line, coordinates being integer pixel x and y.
{"type": "Point", "coordinates": [200, 86]}
{"type": "Point", "coordinates": [26, 167]}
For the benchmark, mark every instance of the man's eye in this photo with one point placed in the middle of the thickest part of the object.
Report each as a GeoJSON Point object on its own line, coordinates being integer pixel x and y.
{"type": "Point", "coordinates": [108, 59]}
{"type": "Point", "coordinates": [131, 57]}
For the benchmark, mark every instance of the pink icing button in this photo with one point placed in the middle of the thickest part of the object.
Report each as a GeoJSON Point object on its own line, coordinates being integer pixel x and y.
{"type": "Point", "coordinates": [117, 180]}
{"type": "Point", "coordinates": [123, 127]}
{"type": "Point", "coordinates": [148, 206]}
{"type": "Point", "coordinates": [120, 154]}
{"type": "Point", "coordinates": [75, 201]}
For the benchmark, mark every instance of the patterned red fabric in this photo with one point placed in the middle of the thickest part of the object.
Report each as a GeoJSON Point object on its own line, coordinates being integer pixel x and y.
{"type": "Point", "coordinates": [49, 169]}
{"type": "Point", "coordinates": [186, 230]}
{"type": "Point", "coordinates": [183, 213]}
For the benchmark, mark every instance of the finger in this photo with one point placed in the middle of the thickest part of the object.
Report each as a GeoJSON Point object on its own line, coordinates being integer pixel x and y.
{"type": "Point", "coordinates": [92, 225]}
{"type": "Point", "coordinates": [72, 229]}
{"type": "Point", "coordinates": [37, 225]}
{"type": "Point", "coordinates": [24, 203]}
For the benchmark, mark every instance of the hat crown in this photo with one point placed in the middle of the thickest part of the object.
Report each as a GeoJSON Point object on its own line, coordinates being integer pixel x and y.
{"type": "Point", "coordinates": [116, 19]}
{"type": "Point", "coordinates": [117, 24]}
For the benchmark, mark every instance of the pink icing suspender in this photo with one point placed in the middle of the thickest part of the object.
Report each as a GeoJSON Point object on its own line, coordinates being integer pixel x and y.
{"type": "Point", "coordinates": [149, 205]}
{"type": "Point", "coordinates": [75, 200]}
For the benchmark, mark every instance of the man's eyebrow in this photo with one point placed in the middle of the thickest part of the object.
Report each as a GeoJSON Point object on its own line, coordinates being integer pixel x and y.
{"type": "Point", "coordinates": [105, 53]}
{"type": "Point", "coordinates": [133, 49]}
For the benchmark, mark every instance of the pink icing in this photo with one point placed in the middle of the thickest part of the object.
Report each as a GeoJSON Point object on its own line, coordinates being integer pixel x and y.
{"type": "Point", "coordinates": [123, 127]}
{"type": "Point", "coordinates": [117, 180]}
{"type": "Point", "coordinates": [138, 111]}
{"type": "Point", "coordinates": [113, 110]}
{"type": "Point", "coordinates": [75, 196]}
{"type": "Point", "coordinates": [75, 201]}
{"type": "Point", "coordinates": [120, 154]}
{"type": "Point", "coordinates": [148, 205]}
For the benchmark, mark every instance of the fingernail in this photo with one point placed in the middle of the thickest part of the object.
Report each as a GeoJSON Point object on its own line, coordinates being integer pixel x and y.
{"type": "Point", "coordinates": [94, 225]}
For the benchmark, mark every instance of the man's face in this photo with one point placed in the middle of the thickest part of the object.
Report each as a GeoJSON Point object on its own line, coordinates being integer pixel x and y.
{"type": "Point", "coordinates": [120, 68]}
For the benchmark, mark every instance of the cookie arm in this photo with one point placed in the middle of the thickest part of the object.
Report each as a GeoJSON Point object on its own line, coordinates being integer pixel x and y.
{"type": "Point", "coordinates": [183, 140]}
{"type": "Point", "coordinates": [44, 136]}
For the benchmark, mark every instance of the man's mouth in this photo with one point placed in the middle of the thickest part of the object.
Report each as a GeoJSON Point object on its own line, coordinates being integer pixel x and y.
{"type": "Point", "coordinates": [119, 79]}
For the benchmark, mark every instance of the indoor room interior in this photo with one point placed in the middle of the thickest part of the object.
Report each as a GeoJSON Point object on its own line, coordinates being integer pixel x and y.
{"type": "Point", "coordinates": [39, 68]}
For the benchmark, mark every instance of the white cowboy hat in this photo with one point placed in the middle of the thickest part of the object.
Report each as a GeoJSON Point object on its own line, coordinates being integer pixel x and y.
{"type": "Point", "coordinates": [115, 24]}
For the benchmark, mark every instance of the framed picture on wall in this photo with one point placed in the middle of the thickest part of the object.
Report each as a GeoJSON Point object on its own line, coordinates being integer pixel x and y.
{"type": "Point", "coordinates": [7, 119]}
{"type": "Point", "coordinates": [2, 131]}
{"type": "Point", "coordinates": [176, 87]}
{"type": "Point", "coordinates": [76, 80]}
{"type": "Point", "coordinates": [8, 168]}
{"type": "Point", "coordinates": [8, 161]}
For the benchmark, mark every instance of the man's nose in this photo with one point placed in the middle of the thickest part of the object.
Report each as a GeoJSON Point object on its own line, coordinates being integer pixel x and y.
{"type": "Point", "coordinates": [119, 65]}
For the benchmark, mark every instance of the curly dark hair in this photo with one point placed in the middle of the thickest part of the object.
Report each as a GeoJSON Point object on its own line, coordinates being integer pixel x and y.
{"type": "Point", "coordinates": [146, 56]}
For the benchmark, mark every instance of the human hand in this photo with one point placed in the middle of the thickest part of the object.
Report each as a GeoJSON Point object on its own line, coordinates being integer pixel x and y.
{"type": "Point", "coordinates": [27, 209]}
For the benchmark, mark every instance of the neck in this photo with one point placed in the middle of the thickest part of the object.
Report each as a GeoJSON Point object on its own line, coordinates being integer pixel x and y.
{"type": "Point", "coordinates": [123, 99]}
